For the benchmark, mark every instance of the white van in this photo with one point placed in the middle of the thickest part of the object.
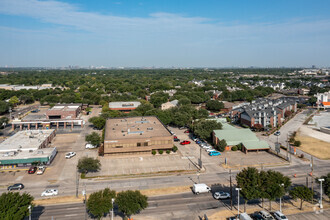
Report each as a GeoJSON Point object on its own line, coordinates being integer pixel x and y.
{"type": "Point", "coordinates": [201, 188]}
{"type": "Point", "coordinates": [90, 146]}
{"type": "Point", "coordinates": [244, 216]}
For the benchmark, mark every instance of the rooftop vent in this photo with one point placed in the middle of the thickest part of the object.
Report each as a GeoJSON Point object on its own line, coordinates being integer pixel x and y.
{"type": "Point", "coordinates": [150, 129]}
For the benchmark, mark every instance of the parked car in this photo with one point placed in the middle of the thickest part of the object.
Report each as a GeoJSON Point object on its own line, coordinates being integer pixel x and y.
{"type": "Point", "coordinates": [41, 170]}
{"type": "Point", "coordinates": [186, 131]}
{"type": "Point", "coordinates": [277, 133]}
{"type": "Point", "coordinates": [184, 142]}
{"type": "Point", "coordinates": [201, 188]}
{"type": "Point", "coordinates": [50, 192]}
{"type": "Point", "coordinates": [32, 170]}
{"type": "Point", "coordinates": [70, 155]}
{"type": "Point", "coordinates": [16, 186]}
{"type": "Point", "coordinates": [198, 142]}
{"type": "Point", "coordinates": [244, 216]}
{"type": "Point", "coordinates": [221, 195]}
{"type": "Point", "coordinates": [176, 139]}
{"type": "Point", "coordinates": [266, 215]}
{"type": "Point", "coordinates": [90, 146]}
{"type": "Point", "coordinates": [280, 216]}
{"type": "Point", "coordinates": [210, 150]}
{"type": "Point", "coordinates": [214, 153]}
{"type": "Point", "coordinates": [257, 216]}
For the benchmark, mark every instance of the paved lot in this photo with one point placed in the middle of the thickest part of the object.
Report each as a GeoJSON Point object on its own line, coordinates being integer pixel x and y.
{"type": "Point", "coordinates": [234, 159]}
{"type": "Point", "coordinates": [311, 216]}
{"type": "Point", "coordinates": [141, 164]}
{"type": "Point", "coordinates": [321, 120]}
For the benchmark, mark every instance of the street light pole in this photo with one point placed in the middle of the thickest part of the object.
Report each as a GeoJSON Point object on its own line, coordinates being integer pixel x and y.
{"type": "Point", "coordinates": [112, 201]}
{"type": "Point", "coordinates": [29, 212]}
{"type": "Point", "coordinates": [281, 199]}
{"type": "Point", "coordinates": [238, 189]}
{"type": "Point", "coordinates": [321, 205]}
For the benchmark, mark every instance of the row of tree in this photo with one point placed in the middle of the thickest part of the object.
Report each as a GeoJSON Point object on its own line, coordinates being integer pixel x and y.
{"type": "Point", "coordinates": [128, 202]}
{"type": "Point", "coordinates": [269, 185]}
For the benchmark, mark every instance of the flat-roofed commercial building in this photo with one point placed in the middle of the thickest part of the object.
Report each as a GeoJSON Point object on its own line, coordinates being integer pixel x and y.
{"type": "Point", "coordinates": [132, 135]}
{"type": "Point", "coordinates": [26, 147]}
{"type": "Point", "coordinates": [124, 106]}
{"type": "Point", "coordinates": [64, 111]}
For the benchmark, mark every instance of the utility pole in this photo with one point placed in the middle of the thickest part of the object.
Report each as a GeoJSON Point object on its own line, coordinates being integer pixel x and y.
{"type": "Point", "coordinates": [112, 201]}
{"type": "Point", "coordinates": [231, 191]}
{"type": "Point", "coordinates": [282, 185]}
{"type": "Point", "coordinates": [77, 182]}
{"type": "Point", "coordinates": [30, 212]}
{"type": "Point", "coordinates": [312, 168]}
{"type": "Point", "coordinates": [85, 201]}
{"type": "Point", "coordinates": [238, 189]}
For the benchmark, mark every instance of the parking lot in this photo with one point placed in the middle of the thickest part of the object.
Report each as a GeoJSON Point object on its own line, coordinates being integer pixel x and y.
{"type": "Point", "coordinates": [235, 159]}
{"type": "Point", "coordinates": [143, 164]}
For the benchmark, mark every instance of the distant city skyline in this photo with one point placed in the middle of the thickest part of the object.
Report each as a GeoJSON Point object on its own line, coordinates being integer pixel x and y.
{"type": "Point", "coordinates": [164, 33]}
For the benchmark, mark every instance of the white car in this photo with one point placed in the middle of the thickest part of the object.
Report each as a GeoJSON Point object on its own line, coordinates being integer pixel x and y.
{"type": "Point", "coordinates": [280, 216]}
{"type": "Point", "coordinates": [41, 170]}
{"type": "Point", "coordinates": [70, 154]}
{"type": "Point", "coordinates": [221, 195]}
{"type": "Point", "coordinates": [210, 150]}
{"type": "Point", "coordinates": [50, 192]}
{"type": "Point", "coordinates": [90, 146]}
{"type": "Point", "coordinates": [277, 133]}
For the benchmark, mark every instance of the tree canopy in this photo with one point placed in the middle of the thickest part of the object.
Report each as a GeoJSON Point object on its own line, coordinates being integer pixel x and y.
{"type": "Point", "coordinates": [99, 203]}
{"type": "Point", "coordinates": [204, 128]}
{"type": "Point", "coordinates": [93, 138]}
{"type": "Point", "coordinates": [88, 164]}
{"type": "Point", "coordinates": [214, 105]}
{"type": "Point", "coordinates": [131, 202]}
{"type": "Point", "coordinates": [301, 192]}
{"type": "Point", "coordinates": [15, 206]}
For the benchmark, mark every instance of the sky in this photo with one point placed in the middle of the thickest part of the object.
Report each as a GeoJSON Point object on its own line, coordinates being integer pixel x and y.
{"type": "Point", "coordinates": [165, 33]}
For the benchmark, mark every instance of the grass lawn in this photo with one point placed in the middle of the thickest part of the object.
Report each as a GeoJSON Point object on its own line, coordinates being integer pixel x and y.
{"type": "Point", "coordinates": [313, 146]}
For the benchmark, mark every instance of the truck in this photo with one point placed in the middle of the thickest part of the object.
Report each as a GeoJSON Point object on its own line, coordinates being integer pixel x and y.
{"type": "Point", "coordinates": [244, 216]}
{"type": "Point", "coordinates": [201, 188]}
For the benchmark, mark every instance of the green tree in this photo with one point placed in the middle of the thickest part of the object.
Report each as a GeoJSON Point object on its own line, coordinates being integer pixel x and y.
{"type": "Point", "coordinates": [248, 181]}
{"type": "Point", "coordinates": [184, 101]}
{"type": "Point", "coordinates": [214, 105]}
{"type": "Point", "coordinates": [13, 101]}
{"type": "Point", "coordinates": [204, 128]}
{"type": "Point", "coordinates": [15, 206]}
{"type": "Point", "coordinates": [88, 164]}
{"type": "Point", "coordinates": [131, 202]}
{"type": "Point", "coordinates": [221, 146]}
{"type": "Point", "coordinates": [301, 192]}
{"type": "Point", "coordinates": [93, 138]}
{"type": "Point", "coordinates": [4, 107]}
{"type": "Point", "coordinates": [271, 185]}
{"type": "Point", "coordinates": [98, 122]}
{"type": "Point", "coordinates": [99, 203]}
{"type": "Point", "coordinates": [157, 99]}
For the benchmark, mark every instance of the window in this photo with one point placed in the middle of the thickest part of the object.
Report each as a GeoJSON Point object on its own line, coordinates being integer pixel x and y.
{"type": "Point", "coordinates": [119, 146]}
{"type": "Point", "coordinates": [145, 144]}
{"type": "Point", "coordinates": [138, 144]}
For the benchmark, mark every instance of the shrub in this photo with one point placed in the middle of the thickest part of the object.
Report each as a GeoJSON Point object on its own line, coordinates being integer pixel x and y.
{"type": "Point", "coordinates": [297, 143]}
{"type": "Point", "coordinates": [239, 146]}
{"type": "Point", "coordinates": [222, 148]}
{"type": "Point", "coordinates": [174, 149]}
{"type": "Point", "coordinates": [153, 152]}
{"type": "Point", "coordinates": [234, 148]}
{"type": "Point", "coordinates": [168, 151]}
{"type": "Point", "coordinates": [82, 175]}
{"type": "Point", "coordinates": [160, 151]}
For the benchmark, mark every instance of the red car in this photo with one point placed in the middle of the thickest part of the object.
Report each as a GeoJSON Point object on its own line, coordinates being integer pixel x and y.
{"type": "Point", "coordinates": [187, 131]}
{"type": "Point", "coordinates": [32, 170]}
{"type": "Point", "coordinates": [175, 137]}
{"type": "Point", "coordinates": [184, 142]}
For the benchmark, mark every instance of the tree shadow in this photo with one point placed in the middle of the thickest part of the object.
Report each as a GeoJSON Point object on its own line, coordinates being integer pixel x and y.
{"type": "Point", "coordinates": [37, 211]}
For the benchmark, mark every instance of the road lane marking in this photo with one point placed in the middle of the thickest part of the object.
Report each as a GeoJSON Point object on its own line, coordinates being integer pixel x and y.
{"type": "Point", "coordinates": [71, 215]}
{"type": "Point", "coordinates": [72, 208]}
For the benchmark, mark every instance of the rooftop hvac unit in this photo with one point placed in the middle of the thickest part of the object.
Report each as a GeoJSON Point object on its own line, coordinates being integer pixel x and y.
{"type": "Point", "coordinates": [150, 129]}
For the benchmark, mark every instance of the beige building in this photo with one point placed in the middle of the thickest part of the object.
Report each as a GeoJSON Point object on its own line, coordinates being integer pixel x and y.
{"type": "Point", "coordinates": [170, 104]}
{"type": "Point", "coordinates": [136, 135]}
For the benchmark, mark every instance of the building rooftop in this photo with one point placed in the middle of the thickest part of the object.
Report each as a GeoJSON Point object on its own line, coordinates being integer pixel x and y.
{"type": "Point", "coordinates": [65, 107]}
{"type": "Point", "coordinates": [135, 127]}
{"type": "Point", "coordinates": [25, 140]}
{"type": "Point", "coordinates": [124, 104]}
{"type": "Point", "coordinates": [41, 155]}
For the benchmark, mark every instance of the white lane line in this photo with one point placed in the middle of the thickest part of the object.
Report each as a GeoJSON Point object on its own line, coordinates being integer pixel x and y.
{"type": "Point", "coordinates": [71, 215]}
{"type": "Point", "coordinates": [72, 208]}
